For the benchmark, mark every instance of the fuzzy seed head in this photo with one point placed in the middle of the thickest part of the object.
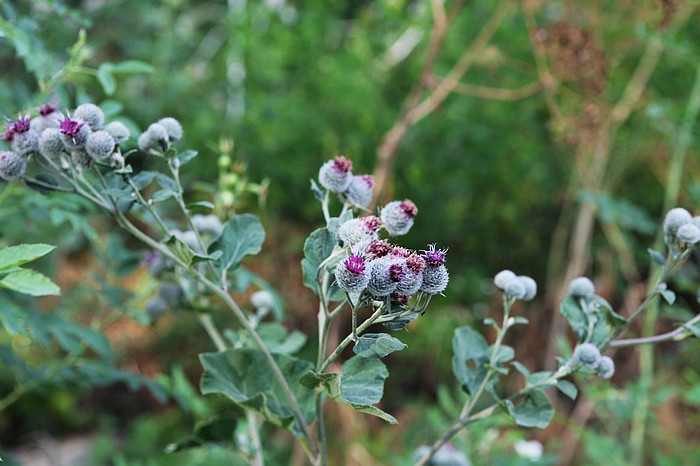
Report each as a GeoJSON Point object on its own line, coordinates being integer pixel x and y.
{"type": "Point", "coordinates": [12, 166]}
{"type": "Point", "coordinates": [588, 355]}
{"type": "Point", "coordinates": [352, 275]}
{"type": "Point", "coordinates": [359, 192]}
{"type": "Point", "coordinates": [674, 219]}
{"type": "Point", "coordinates": [515, 289]}
{"type": "Point", "coordinates": [357, 230]}
{"type": "Point", "coordinates": [605, 367]}
{"type": "Point", "coordinates": [119, 131]}
{"type": "Point", "coordinates": [90, 114]}
{"type": "Point", "coordinates": [582, 287]}
{"type": "Point", "coordinates": [100, 145]}
{"type": "Point", "coordinates": [530, 287]}
{"type": "Point", "coordinates": [336, 175]}
{"type": "Point", "coordinates": [154, 138]}
{"type": "Point", "coordinates": [435, 279]}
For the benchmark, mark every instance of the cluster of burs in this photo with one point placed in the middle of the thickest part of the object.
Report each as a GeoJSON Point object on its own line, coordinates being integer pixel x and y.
{"type": "Point", "coordinates": [373, 265]}
{"type": "Point", "coordinates": [76, 139]}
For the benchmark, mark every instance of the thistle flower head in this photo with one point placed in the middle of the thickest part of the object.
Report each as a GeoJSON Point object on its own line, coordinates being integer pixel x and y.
{"type": "Point", "coordinates": [173, 128]}
{"type": "Point", "coordinates": [12, 166]}
{"type": "Point", "coordinates": [582, 287]}
{"type": "Point", "coordinates": [515, 289]}
{"type": "Point", "coordinates": [74, 132]}
{"type": "Point", "coordinates": [91, 114]}
{"type": "Point", "coordinates": [530, 287]}
{"type": "Point", "coordinates": [359, 192]}
{"type": "Point", "coordinates": [588, 355]}
{"type": "Point", "coordinates": [50, 143]}
{"type": "Point", "coordinates": [415, 263]}
{"type": "Point", "coordinates": [397, 217]}
{"type": "Point", "coordinates": [336, 175]}
{"type": "Point", "coordinates": [359, 229]}
{"type": "Point", "coordinates": [605, 367]}
{"type": "Point", "coordinates": [688, 233]}
{"type": "Point", "coordinates": [154, 138]}
{"type": "Point", "coordinates": [99, 144]}
{"type": "Point", "coordinates": [379, 248]}
{"type": "Point", "coordinates": [352, 275]}
{"type": "Point", "coordinates": [434, 257]}
{"type": "Point", "coordinates": [384, 276]}
{"type": "Point", "coordinates": [411, 278]}
{"type": "Point", "coordinates": [25, 142]}
{"type": "Point", "coordinates": [435, 279]}
{"type": "Point", "coordinates": [502, 278]}
{"type": "Point", "coordinates": [674, 219]}
{"type": "Point", "coordinates": [119, 131]}
{"type": "Point", "coordinates": [46, 110]}
{"type": "Point", "coordinates": [262, 299]}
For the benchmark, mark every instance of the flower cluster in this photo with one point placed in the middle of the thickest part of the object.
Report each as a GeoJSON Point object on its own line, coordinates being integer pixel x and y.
{"type": "Point", "coordinates": [681, 229]}
{"type": "Point", "coordinates": [516, 286]}
{"type": "Point", "coordinates": [336, 176]}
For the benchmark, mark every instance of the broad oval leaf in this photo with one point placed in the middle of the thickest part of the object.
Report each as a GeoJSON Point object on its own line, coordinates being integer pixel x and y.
{"type": "Point", "coordinates": [241, 236]}
{"type": "Point", "coordinates": [377, 345]}
{"type": "Point", "coordinates": [471, 354]}
{"type": "Point", "coordinates": [362, 380]}
{"type": "Point", "coordinates": [534, 411]}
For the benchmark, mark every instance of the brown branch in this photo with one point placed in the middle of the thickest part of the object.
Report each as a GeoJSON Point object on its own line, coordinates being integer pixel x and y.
{"type": "Point", "coordinates": [494, 93]}
{"type": "Point", "coordinates": [416, 109]}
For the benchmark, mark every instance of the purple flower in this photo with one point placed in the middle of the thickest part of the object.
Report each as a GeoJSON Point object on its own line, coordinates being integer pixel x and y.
{"type": "Point", "coordinates": [352, 275]}
{"type": "Point", "coordinates": [412, 274]}
{"type": "Point", "coordinates": [435, 276]}
{"type": "Point", "coordinates": [434, 257]}
{"type": "Point", "coordinates": [46, 110]}
{"type": "Point", "coordinates": [75, 133]}
{"type": "Point", "coordinates": [336, 175]}
{"type": "Point", "coordinates": [379, 248]}
{"type": "Point", "coordinates": [397, 216]}
{"type": "Point", "coordinates": [385, 275]}
{"type": "Point", "coordinates": [359, 229]}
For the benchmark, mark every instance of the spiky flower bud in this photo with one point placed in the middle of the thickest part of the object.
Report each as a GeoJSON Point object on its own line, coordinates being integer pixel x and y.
{"type": "Point", "coordinates": [90, 114]}
{"type": "Point", "coordinates": [588, 355]}
{"type": "Point", "coordinates": [435, 275]}
{"type": "Point", "coordinates": [582, 287]}
{"type": "Point", "coordinates": [100, 144]}
{"type": "Point", "coordinates": [530, 287]}
{"type": "Point", "coordinates": [397, 217]}
{"type": "Point", "coordinates": [74, 133]}
{"type": "Point", "coordinates": [674, 219]}
{"type": "Point", "coordinates": [359, 229]}
{"type": "Point", "coordinates": [385, 274]}
{"type": "Point", "coordinates": [50, 143]}
{"type": "Point", "coordinates": [412, 280]}
{"type": "Point", "coordinates": [119, 131]}
{"type": "Point", "coordinates": [154, 138]}
{"type": "Point", "coordinates": [379, 248]}
{"type": "Point", "coordinates": [208, 225]}
{"type": "Point", "coordinates": [502, 278]}
{"type": "Point", "coordinates": [352, 275]}
{"type": "Point", "coordinates": [262, 299]}
{"type": "Point", "coordinates": [605, 367]}
{"type": "Point", "coordinates": [515, 289]}
{"type": "Point", "coordinates": [25, 143]}
{"type": "Point", "coordinates": [359, 193]}
{"type": "Point", "coordinates": [12, 166]}
{"type": "Point", "coordinates": [172, 128]}
{"type": "Point", "coordinates": [688, 233]}
{"type": "Point", "coordinates": [336, 175]}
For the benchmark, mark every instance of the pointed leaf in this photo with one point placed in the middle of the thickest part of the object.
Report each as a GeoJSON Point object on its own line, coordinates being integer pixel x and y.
{"type": "Point", "coordinates": [471, 354]}
{"type": "Point", "coordinates": [17, 255]}
{"type": "Point", "coordinates": [29, 282]}
{"type": "Point", "coordinates": [567, 388]}
{"type": "Point", "coordinates": [657, 257]}
{"type": "Point", "coordinates": [362, 380]}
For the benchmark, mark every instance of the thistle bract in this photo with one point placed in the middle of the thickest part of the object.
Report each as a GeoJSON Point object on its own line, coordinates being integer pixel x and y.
{"type": "Point", "coordinates": [359, 192]}
{"type": "Point", "coordinates": [359, 229]}
{"type": "Point", "coordinates": [385, 275]}
{"type": "Point", "coordinates": [90, 114]}
{"type": "Point", "coordinates": [12, 166]}
{"type": "Point", "coordinates": [336, 175]}
{"type": "Point", "coordinates": [25, 143]}
{"type": "Point", "coordinates": [397, 217]}
{"type": "Point", "coordinates": [582, 286]}
{"type": "Point", "coordinates": [352, 275]}
{"type": "Point", "coordinates": [50, 143]}
{"type": "Point", "coordinates": [588, 355]}
{"type": "Point", "coordinates": [154, 138]}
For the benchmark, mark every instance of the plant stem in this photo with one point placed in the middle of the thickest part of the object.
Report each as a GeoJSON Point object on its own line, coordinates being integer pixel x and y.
{"type": "Point", "coordinates": [677, 334]}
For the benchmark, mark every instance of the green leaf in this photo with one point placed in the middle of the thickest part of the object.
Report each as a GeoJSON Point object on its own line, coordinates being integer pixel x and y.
{"type": "Point", "coordinates": [377, 345]}
{"type": "Point", "coordinates": [186, 156]}
{"type": "Point", "coordinates": [505, 353]}
{"type": "Point", "coordinates": [567, 388]}
{"type": "Point", "coordinates": [17, 255]}
{"type": "Point", "coordinates": [522, 369]}
{"type": "Point", "coordinates": [219, 431]}
{"type": "Point", "coordinates": [693, 328]}
{"type": "Point", "coordinates": [571, 309]}
{"type": "Point", "coordinates": [105, 78]}
{"type": "Point", "coordinates": [520, 321]}
{"type": "Point", "coordinates": [471, 355]}
{"type": "Point", "coordinates": [669, 296]}
{"type": "Point", "coordinates": [30, 282]}
{"type": "Point", "coordinates": [180, 249]}
{"type": "Point", "coordinates": [330, 384]}
{"type": "Point", "coordinates": [242, 235]}
{"type": "Point", "coordinates": [362, 380]}
{"type": "Point", "coordinates": [131, 67]}
{"type": "Point", "coordinates": [656, 256]}
{"type": "Point", "coordinates": [162, 195]}
{"type": "Point", "coordinates": [245, 377]}
{"type": "Point", "coordinates": [534, 411]}
{"type": "Point", "coordinates": [317, 248]}
{"type": "Point", "coordinates": [278, 340]}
